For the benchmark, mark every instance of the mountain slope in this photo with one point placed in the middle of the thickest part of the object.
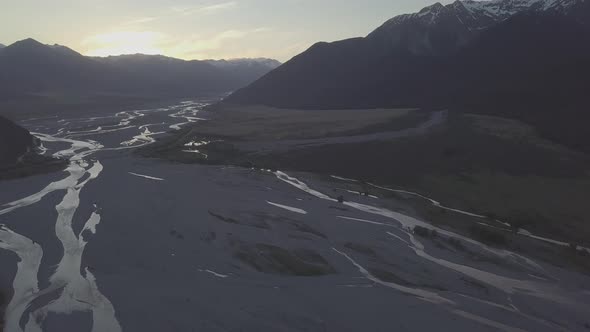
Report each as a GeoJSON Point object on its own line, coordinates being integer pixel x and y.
{"type": "Point", "coordinates": [34, 70]}
{"type": "Point", "coordinates": [30, 67]}
{"type": "Point", "coordinates": [524, 66]}
{"type": "Point", "coordinates": [15, 141]}
{"type": "Point", "coordinates": [170, 76]}
{"type": "Point", "coordinates": [409, 51]}
{"type": "Point", "coordinates": [20, 157]}
{"type": "Point", "coordinates": [439, 29]}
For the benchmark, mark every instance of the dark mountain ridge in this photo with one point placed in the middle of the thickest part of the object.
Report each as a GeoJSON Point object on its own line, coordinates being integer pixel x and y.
{"type": "Point", "coordinates": [33, 70]}
{"type": "Point", "coordinates": [525, 62]}
{"type": "Point", "coordinates": [29, 67]}
{"type": "Point", "coordinates": [15, 141]}
{"type": "Point", "coordinates": [175, 77]}
{"type": "Point", "coordinates": [19, 153]}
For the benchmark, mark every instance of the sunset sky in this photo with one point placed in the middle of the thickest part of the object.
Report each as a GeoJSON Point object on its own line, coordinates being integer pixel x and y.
{"type": "Point", "coordinates": [195, 29]}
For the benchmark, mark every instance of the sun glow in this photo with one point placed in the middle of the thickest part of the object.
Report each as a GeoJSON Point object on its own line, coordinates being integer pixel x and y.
{"type": "Point", "coordinates": [124, 42]}
{"type": "Point", "coordinates": [150, 42]}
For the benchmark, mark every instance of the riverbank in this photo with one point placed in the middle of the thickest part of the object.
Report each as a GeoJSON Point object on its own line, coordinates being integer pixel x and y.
{"type": "Point", "coordinates": [492, 166]}
{"type": "Point", "coordinates": [32, 165]}
{"type": "Point", "coordinates": [64, 107]}
{"type": "Point", "coordinates": [268, 250]}
{"type": "Point", "coordinates": [21, 153]}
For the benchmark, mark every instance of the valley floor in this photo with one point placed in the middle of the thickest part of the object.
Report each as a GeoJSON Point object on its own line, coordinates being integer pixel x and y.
{"type": "Point", "coordinates": [120, 242]}
{"type": "Point", "coordinates": [495, 167]}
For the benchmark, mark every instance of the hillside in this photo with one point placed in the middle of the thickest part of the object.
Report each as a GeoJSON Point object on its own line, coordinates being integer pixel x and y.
{"type": "Point", "coordinates": [522, 59]}
{"type": "Point", "coordinates": [15, 141]}
{"type": "Point", "coordinates": [166, 76]}
{"type": "Point", "coordinates": [510, 78]}
{"type": "Point", "coordinates": [53, 78]}
{"type": "Point", "coordinates": [19, 155]}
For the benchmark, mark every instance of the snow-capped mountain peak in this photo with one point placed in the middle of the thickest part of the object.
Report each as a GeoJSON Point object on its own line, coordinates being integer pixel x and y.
{"type": "Point", "coordinates": [439, 29]}
{"type": "Point", "coordinates": [493, 9]}
{"type": "Point", "coordinates": [502, 9]}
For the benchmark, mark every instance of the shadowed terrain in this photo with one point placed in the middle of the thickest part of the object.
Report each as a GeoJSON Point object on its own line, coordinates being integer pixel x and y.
{"type": "Point", "coordinates": [267, 250]}
{"type": "Point", "coordinates": [433, 175]}
{"type": "Point", "coordinates": [493, 166]}
{"type": "Point", "coordinates": [530, 64]}
{"type": "Point", "coordinates": [42, 80]}
{"type": "Point", "coordinates": [19, 153]}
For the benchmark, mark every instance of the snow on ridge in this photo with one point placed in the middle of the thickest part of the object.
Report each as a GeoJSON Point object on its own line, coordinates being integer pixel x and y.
{"type": "Point", "coordinates": [494, 9]}
{"type": "Point", "coordinates": [505, 8]}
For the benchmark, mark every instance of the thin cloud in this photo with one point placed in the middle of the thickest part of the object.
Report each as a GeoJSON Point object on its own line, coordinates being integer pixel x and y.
{"type": "Point", "coordinates": [207, 9]}
{"type": "Point", "coordinates": [198, 46]}
{"type": "Point", "coordinates": [153, 42]}
{"type": "Point", "coordinates": [220, 6]}
{"type": "Point", "coordinates": [184, 11]}
{"type": "Point", "coordinates": [140, 20]}
{"type": "Point", "coordinates": [124, 42]}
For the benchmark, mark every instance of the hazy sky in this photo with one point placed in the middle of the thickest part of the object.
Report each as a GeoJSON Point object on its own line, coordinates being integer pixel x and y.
{"type": "Point", "coordinates": [195, 29]}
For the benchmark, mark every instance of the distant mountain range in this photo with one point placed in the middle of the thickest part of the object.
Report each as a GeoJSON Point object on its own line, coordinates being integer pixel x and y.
{"type": "Point", "coordinates": [527, 59]}
{"type": "Point", "coordinates": [31, 69]}
{"type": "Point", "coordinates": [245, 62]}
